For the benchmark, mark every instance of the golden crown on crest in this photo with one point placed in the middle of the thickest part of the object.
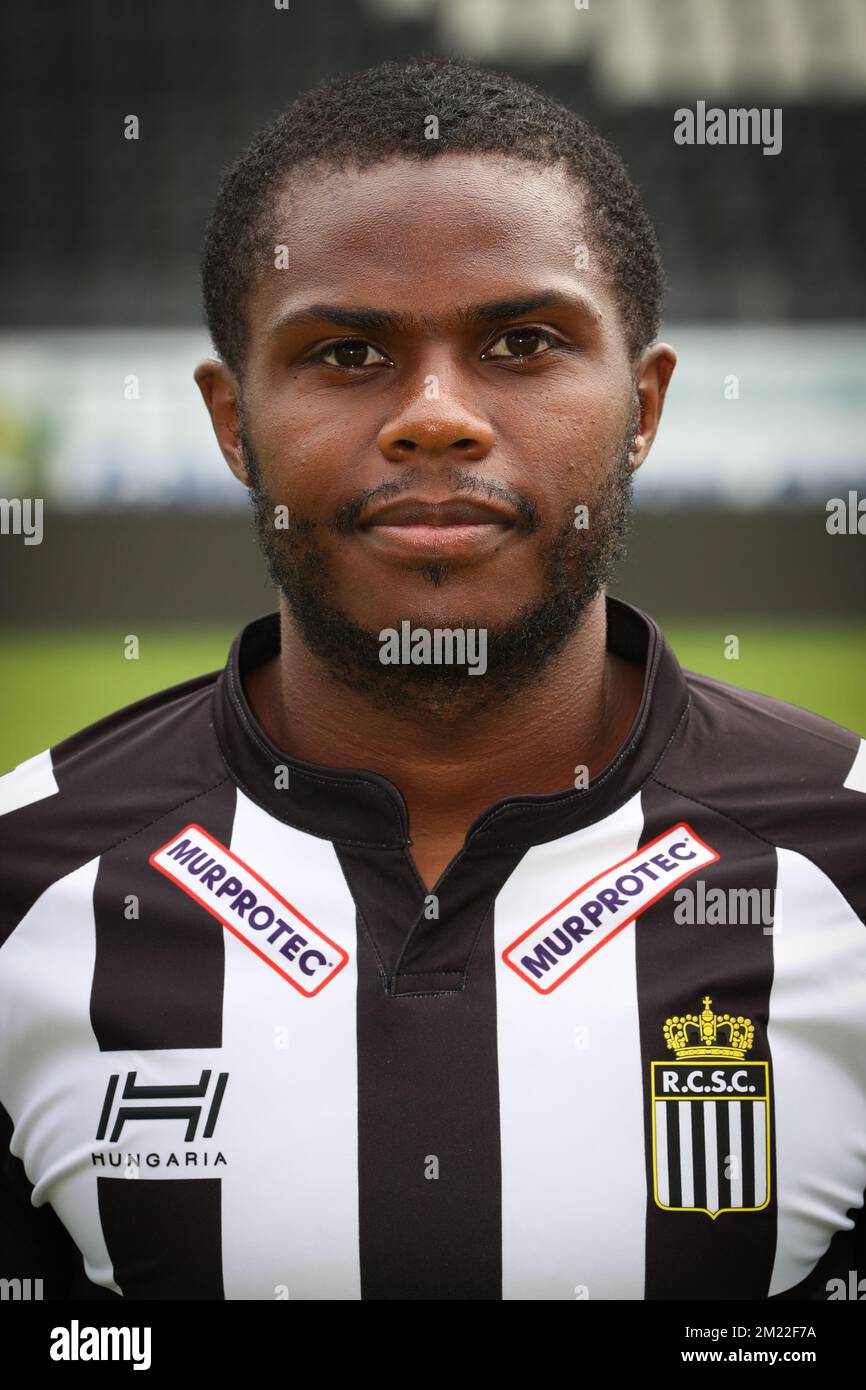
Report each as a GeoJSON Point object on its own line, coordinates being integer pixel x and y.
{"type": "Point", "coordinates": [704, 1030]}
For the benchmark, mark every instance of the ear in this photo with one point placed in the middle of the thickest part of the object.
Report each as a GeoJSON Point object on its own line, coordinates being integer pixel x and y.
{"type": "Point", "coordinates": [220, 392]}
{"type": "Point", "coordinates": [652, 374]}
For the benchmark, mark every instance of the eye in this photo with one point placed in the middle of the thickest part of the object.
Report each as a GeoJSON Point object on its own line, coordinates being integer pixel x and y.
{"type": "Point", "coordinates": [350, 352]}
{"type": "Point", "coordinates": [520, 342]}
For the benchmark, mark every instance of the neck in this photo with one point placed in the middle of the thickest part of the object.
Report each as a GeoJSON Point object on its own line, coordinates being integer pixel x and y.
{"type": "Point", "coordinates": [452, 767]}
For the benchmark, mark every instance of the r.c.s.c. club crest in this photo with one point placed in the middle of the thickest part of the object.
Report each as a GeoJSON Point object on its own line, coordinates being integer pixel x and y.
{"type": "Point", "coordinates": [710, 1117]}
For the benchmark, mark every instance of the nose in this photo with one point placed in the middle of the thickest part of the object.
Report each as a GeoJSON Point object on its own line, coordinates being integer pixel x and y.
{"type": "Point", "coordinates": [435, 427]}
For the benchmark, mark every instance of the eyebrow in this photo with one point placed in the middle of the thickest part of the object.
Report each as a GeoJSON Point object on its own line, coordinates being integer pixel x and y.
{"type": "Point", "coordinates": [371, 320]}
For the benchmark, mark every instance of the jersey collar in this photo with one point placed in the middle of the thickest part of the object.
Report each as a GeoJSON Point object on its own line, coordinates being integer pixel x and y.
{"type": "Point", "coordinates": [358, 807]}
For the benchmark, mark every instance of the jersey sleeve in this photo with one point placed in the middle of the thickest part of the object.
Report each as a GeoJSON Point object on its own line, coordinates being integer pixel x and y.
{"type": "Point", "coordinates": [34, 1244]}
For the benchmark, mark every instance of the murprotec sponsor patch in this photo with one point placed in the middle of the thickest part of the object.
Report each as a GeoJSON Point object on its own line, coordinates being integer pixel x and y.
{"type": "Point", "coordinates": [251, 909]}
{"type": "Point", "coordinates": [566, 937]}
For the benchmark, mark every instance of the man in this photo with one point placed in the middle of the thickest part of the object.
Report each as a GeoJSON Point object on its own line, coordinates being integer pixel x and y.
{"type": "Point", "coordinates": [382, 961]}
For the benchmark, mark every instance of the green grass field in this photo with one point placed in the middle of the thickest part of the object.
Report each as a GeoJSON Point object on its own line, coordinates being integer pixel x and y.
{"type": "Point", "coordinates": [55, 683]}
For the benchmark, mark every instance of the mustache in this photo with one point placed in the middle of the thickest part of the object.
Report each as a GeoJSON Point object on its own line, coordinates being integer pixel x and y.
{"type": "Point", "coordinates": [468, 485]}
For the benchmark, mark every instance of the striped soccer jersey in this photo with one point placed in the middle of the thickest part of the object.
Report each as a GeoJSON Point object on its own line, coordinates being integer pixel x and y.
{"type": "Point", "coordinates": [619, 1052]}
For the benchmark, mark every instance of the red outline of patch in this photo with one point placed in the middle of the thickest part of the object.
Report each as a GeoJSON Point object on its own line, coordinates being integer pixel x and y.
{"type": "Point", "coordinates": [672, 883]}
{"type": "Point", "coordinates": [207, 907]}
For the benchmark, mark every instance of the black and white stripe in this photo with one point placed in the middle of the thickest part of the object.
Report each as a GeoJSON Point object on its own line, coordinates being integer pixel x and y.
{"type": "Point", "coordinates": [428, 1125]}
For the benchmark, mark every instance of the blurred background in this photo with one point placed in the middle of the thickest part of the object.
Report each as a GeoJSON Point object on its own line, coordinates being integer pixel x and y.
{"type": "Point", "coordinates": [146, 532]}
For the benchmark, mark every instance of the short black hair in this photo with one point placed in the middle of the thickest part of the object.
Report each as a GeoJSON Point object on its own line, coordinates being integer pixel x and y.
{"type": "Point", "coordinates": [355, 120]}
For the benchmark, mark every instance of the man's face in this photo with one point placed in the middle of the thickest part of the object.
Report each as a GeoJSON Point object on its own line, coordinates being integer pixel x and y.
{"type": "Point", "coordinates": [532, 412]}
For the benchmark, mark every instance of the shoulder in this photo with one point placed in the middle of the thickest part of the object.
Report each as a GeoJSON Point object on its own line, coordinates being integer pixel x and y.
{"type": "Point", "coordinates": [791, 777]}
{"type": "Point", "coordinates": [73, 801]}
{"type": "Point", "coordinates": [730, 727]}
{"type": "Point", "coordinates": [749, 709]}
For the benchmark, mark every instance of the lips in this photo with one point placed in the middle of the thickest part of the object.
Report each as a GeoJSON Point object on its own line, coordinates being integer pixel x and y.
{"type": "Point", "coordinates": [415, 530]}
{"type": "Point", "coordinates": [452, 511]}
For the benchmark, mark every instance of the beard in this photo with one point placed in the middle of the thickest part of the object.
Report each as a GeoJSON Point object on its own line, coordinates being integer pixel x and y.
{"type": "Point", "coordinates": [577, 563]}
